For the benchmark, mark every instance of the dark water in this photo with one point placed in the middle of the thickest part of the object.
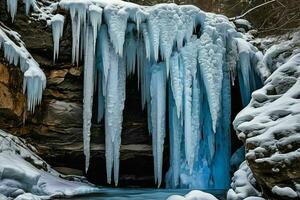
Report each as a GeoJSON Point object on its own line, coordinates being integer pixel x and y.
{"type": "Point", "coordinates": [141, 194]}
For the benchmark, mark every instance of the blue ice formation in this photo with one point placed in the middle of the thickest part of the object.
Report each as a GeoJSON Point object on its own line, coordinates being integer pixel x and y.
{"type": "Point", "coordinates": [185, 61]}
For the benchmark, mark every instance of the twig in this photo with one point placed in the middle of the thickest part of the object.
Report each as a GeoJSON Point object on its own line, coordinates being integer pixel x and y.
{"type": "Point", "coordinates": [243, 15]}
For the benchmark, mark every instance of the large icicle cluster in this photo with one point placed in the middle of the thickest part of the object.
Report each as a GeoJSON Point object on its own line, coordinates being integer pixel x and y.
{"type": "Point", "coordinates": [34, 78]}
{"type": "Point", "coordinates": [183, 58]}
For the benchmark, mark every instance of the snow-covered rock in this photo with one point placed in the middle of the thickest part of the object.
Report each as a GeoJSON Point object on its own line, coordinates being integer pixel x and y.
{"type": "Point", "coordinates": [22, 172]}
{"type": "Point", "coordinates": [270, 129]}
{"type": "Point", "coordinates": [243, 184]}
{"type": "Point", "coordinates": [193, 195]}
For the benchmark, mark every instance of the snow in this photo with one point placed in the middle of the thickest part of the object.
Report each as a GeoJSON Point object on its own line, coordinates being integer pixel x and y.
{"type": "Point", "coordinates": [193, 195]}
{"type": "Point", "coordinates": [284, 192]}
{"type": "Point", "coordinates": [34, 79]}
{"type": "Point", "coordinates": [34, 180]}
{"type": "Point", "coordinates": [243, 184]}
{"type": "Point", "coordinates": [243, 22]}
{"type": "Point", "coordinates": [270, 123]}
{"type": "Point", "coordinates": [282, 49]}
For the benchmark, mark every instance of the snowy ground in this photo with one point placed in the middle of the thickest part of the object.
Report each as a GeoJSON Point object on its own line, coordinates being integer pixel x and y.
{"type": "Point", "coordinates": [23, 172]}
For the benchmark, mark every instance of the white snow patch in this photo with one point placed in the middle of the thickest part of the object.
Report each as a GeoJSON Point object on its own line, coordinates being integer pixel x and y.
{"type": "Point", "coordinates": [19, 177]}
{"type": "Point", "coordinates": [284, 191]}
{"type": "Point", "coordinates": [243, 184]}
{"type": "Point", "coordinates": [193, 195]}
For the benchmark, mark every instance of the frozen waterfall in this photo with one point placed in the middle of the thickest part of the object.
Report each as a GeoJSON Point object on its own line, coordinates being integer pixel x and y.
{"type": "Point", "coordinates": [185, 60]}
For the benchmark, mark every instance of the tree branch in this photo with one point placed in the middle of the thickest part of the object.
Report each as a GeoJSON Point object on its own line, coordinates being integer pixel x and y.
{"type": "Point", "coordinates": [252, 9]}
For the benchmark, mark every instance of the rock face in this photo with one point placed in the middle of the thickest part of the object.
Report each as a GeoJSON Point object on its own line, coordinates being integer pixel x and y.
{"type": "Point", "coordinates": [55, 128]}
{"type": "Point", "coordinates": [270, 129]}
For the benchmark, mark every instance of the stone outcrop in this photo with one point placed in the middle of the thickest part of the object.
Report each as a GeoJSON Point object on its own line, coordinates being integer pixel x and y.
{"type": "Point", "coordinates": [270, 128]}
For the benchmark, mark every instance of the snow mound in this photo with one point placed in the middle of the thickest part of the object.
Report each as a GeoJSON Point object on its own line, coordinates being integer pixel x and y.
{"type": "Point", "coordinates": [243, 184]}
{"type": "Point", "coordinates": [22, 172]}
{"type": "Point", "coordinates": [269, 127]}
{"type": "Point", "coordinates": [193, 195]}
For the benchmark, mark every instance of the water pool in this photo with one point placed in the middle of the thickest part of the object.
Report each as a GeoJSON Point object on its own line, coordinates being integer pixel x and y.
{"type": "Point", "coordinates": [141, 194]}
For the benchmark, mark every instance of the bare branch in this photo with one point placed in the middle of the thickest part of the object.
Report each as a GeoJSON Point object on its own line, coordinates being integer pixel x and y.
{"type": "Point", "coordinates": [252, 9]}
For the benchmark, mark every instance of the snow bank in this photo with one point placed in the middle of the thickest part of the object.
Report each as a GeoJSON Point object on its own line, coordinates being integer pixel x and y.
{"type": "Point", "coordinates": [193, 195]}
{"type": "Point", "coordinates": [243, 185]}
{"type": "Point", "coordinates": [22, 172]}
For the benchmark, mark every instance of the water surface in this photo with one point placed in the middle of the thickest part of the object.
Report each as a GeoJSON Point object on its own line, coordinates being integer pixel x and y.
{"type": "Point", "coordinates": [141, 194]}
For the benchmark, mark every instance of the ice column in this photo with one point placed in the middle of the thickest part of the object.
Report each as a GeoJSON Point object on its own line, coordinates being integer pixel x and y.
{"type": "Point", "coordinates": [88, 92]}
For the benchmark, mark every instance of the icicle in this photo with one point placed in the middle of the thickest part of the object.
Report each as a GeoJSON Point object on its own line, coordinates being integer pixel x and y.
{"type": "Point", "coordinates": [121, 99]}
{"type": "Point", "coordinates": [221, 167]}
{"type": "Point", "coordinates": [146, 40]}
{"type": "Point", "coordinates": [28, 4]}
{"type": "Point", "coordinates": [12, 6]}
{"type": "Point", "coordinates": [158, 112]}
{"type": "Point", "coordinates": [34, 84]}
{"type": "Point", "coordinates": [78, 11]}
{"type": "Point", "coordinates": [189, 61]}
{"type": "Point", "coordinates": [57, 22]}
{"type": "Point", "coordinates": [246, 67]}
{"type": "Point", "coordinates": [88, 92]}
{"type": "Point", "coordinates": [114, 105]}
{"type": "Point", "coordinates": [116, 19]}
{"type": "Point", "coordinates": [196, 124]}
{"type": "Point", "coordinates": [210, 60]}
{"type": "Point", "coordinates": [101, 102]}
{"type": "Point", "coordinates": [176, 82]}
{"type": "Point", "coordinates": [105, 52]}
{"type": "Point", "coordinates": [95, 15]}
{"type": "Point", "coordinates": [176, 133]}
{"type": "Point", "coordinates": [34, 78]}
{"type": "Point", "coordinates": [130, 49]}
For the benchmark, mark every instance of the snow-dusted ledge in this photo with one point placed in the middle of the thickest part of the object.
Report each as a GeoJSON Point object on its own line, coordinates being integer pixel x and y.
{"type": "Point", "coordinates": [24, 175]}
{"type": "Point", "coordinates": [16, 53]}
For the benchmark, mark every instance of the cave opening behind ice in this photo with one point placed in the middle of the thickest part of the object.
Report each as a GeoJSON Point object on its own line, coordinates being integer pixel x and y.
{"type": "Point", "coordinates": [137, 171]}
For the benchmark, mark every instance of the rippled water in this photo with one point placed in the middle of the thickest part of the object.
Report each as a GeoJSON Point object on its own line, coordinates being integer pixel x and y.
{"type": "Point", "coordinates": [141, 194]}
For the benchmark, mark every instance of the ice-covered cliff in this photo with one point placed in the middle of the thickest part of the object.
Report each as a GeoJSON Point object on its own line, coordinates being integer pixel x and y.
{"type": "Point", "coordinates": [185, 60]}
